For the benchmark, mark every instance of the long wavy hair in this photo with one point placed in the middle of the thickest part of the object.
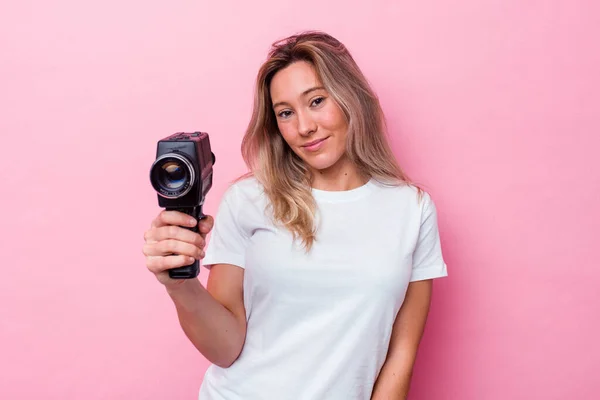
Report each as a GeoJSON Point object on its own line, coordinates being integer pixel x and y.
{"type": "Point", "coordinates": [284, 176]}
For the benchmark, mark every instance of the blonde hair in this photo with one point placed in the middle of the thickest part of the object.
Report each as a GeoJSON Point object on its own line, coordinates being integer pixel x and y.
{"type": "Point", "coordinates": [284, 176]}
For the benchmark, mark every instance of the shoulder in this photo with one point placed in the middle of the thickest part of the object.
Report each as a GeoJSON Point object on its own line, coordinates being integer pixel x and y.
{"type": "Point", "coordinates": [245, 202]}
{"type": "Point", "coordinates": [405, 193]}
{"type": "Point", "coordinates": [408, 199]}
{"type": "Point", "coordinates": [243, 188]}
{"type": "Point", "coordinates": [244, 193]}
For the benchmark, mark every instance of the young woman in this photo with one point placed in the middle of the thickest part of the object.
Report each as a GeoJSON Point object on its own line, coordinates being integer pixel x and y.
{"type": "Point", "coordinates": [321, 258]}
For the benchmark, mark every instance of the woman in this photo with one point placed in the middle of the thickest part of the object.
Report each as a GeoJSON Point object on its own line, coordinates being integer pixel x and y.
{"type": "Point", "coordinates": [321, 258]}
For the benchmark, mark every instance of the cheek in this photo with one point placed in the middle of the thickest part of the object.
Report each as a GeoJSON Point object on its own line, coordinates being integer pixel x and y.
{"type": "Point", "coordinates": [333, 119]}
{"type": "Point", "coordinates": [290, 137]}
{"type": "Point", "coordinates": [335, 123]}
{"type": "Point", "coordinates": [286, 132]}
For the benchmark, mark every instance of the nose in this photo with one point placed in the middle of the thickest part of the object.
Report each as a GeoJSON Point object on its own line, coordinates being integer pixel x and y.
{"type": "Point", "coordinates": [306, 125]}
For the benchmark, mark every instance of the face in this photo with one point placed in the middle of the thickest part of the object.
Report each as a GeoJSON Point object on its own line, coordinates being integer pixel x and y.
{"type": "Point", "coordinates": [310, 121]}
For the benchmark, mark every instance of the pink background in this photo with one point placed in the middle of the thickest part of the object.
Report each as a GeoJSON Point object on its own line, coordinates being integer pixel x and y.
{"type": "Point", "coordinates": [493, 106]}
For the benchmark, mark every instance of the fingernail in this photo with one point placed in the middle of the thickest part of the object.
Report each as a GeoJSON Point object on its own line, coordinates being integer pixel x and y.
{"type": "Point", "coordinates": [193, 221]}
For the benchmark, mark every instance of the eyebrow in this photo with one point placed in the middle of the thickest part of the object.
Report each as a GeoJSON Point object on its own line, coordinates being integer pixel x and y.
{"type": "Point", "coordinates": [307, 91]}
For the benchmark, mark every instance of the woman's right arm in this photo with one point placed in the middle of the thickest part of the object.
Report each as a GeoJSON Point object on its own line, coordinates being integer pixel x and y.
{"type": "Point", "coordinates": [213, 318]}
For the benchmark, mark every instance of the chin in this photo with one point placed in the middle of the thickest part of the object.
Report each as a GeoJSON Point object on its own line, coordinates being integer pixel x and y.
{"type": "Point", "coordinates": [322, 162]}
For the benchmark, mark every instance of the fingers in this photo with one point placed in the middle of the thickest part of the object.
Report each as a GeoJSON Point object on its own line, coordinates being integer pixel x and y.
{"type": "Point", "coordinates": [168, 244]}
{"type": "Point", "coordinates": [171, 246]}
{"type": "Point", "coordinates": [160, 264]}
{"type": "Point", "coordinates": [174, 232]}
{"type": "Point", "coordinates": [173, 218]}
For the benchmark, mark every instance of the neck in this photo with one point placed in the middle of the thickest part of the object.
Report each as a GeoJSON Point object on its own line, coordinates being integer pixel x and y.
{"type": "Point", "coordinates": [343, 175]}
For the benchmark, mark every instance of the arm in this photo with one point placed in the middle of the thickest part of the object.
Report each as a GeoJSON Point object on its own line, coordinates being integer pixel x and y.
{"type": "Point", "coordinates": [213, 319]}
{"type": "Point", "coordinates": [394, 378]}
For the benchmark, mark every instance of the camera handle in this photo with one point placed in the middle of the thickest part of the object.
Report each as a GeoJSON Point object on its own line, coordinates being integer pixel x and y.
{"type": "Point", "coordinates": [192, 270]}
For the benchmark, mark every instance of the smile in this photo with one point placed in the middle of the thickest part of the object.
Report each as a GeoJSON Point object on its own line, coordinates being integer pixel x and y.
{"type": "Point", "coordinates": [315, 144]}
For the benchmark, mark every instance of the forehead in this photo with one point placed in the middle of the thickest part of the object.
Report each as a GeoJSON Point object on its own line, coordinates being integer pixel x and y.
{"type": "Point", "coordinates": [293, 80]}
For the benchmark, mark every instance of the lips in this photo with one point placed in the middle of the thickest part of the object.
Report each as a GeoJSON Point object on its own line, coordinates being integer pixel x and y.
{"type": "Point", "coordinates": [310, 144]}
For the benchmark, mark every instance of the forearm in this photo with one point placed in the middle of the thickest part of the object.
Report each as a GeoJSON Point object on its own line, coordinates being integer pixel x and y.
{"type": "Point", "coordinates": [393, 382]}
{"type": "Point", "coordinates": [210, 326]}
{"type": "Point", "coordinates": [394, 378]}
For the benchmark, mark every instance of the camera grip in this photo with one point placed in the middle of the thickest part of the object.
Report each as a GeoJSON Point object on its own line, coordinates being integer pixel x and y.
{"type": "Point", "coordinates": [192, 270]}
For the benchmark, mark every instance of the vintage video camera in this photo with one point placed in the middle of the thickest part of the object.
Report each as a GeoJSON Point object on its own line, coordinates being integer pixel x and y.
{"type": "Point", "coordinates": [182, 175]}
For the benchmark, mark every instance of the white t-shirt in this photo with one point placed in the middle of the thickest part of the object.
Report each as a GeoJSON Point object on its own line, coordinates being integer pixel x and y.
{"type": "Point", "coordinates": [319, 324]}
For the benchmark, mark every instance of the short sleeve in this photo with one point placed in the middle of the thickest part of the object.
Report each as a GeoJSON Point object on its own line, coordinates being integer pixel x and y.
{"type": "Point", "coordinates": [227, 242]}
{"type": "Point", "coordinates": [428, 260]}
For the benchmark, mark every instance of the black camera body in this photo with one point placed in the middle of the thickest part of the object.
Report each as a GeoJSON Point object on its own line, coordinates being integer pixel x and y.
{"type": "Point", "coordinates": [182, 175]}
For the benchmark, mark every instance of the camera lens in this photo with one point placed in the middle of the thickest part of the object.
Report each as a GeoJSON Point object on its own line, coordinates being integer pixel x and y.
{"type": "Point", "coordinates": [172, 175]}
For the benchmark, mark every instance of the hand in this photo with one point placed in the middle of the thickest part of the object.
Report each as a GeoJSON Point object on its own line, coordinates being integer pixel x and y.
{"type": "Point", "coordinates": [167, 236]}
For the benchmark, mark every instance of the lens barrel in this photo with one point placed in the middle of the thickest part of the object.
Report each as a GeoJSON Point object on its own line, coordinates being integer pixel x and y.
{"type": "Point", "coordinates": [172, 175]}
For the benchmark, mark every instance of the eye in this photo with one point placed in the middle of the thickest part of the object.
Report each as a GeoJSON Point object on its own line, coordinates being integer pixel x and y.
{"type": "Point", "coordinates": [284, 114]}
{"type": "Point", "coordinates": [318, 101]}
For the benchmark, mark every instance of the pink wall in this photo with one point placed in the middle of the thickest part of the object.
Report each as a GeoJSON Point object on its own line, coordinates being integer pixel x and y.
{"type": "Point", "coordinates": [493, 106]}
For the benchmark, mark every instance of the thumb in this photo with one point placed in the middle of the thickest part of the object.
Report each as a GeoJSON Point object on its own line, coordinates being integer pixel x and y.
{"type": "Point", "coordinates": [205, 225]}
